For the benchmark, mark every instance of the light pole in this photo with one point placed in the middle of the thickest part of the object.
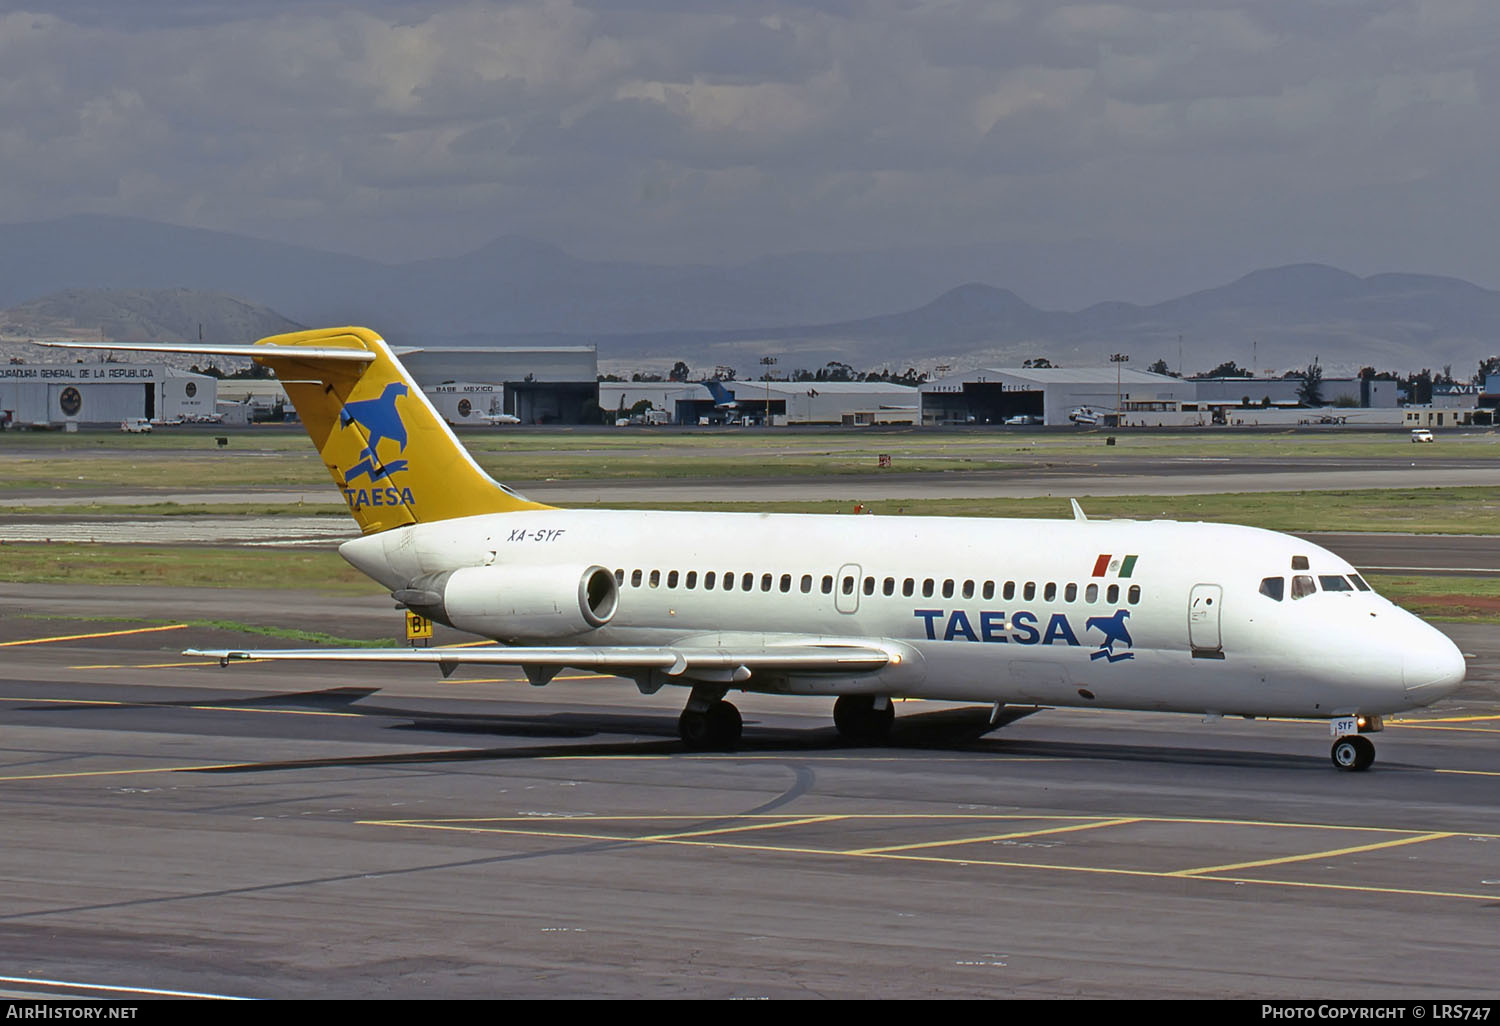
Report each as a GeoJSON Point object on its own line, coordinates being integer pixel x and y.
{"type": "Point", "coordinates": [1117, 359]}
{"type": "Point", "coordinates": [768, 362]}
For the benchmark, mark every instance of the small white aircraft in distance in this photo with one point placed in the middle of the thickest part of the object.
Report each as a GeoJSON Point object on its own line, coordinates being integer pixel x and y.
{"type": "Point", "coordinates": [1157, 616]}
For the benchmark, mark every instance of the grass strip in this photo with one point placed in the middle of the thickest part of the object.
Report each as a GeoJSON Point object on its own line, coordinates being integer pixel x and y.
{"type": "Point", "coordinates": [262, 630]}
{"type": "Point", "coordinates": [182, 566]}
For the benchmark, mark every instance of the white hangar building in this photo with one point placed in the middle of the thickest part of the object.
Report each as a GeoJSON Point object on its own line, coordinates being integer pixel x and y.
{"type": "Point", "coordinates": [1046, 395]}
{"type": "Point", "coordinates": [102, 393]}
{"type": "Point", "coordinates": [538, 384]}
{"type": "Point", "coordinates": [851, 403]}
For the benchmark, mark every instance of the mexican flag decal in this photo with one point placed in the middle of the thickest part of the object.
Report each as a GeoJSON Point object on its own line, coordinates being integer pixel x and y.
{"type": "Point", "coordinates": [1114, 566]}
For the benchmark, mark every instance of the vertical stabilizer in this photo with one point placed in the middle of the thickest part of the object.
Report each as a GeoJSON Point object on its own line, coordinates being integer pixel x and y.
{"type": "Point", "coordinates": [389, 452]}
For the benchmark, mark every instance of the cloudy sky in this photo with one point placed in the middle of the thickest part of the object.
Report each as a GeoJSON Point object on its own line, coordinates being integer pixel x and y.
{"type": "Point", "coordinates": [1075, 153]}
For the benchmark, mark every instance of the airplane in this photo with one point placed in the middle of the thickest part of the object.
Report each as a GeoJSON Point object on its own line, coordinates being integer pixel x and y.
{"type": "Point", "coordinates": [1020, 614]}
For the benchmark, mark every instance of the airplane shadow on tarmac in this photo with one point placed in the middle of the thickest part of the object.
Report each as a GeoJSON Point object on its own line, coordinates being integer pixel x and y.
{"type": "Point", "coordinates": [944, 730]}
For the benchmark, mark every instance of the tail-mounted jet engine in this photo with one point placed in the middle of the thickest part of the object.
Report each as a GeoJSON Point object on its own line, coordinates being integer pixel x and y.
{"type": "Point", "coordinates": [515, 603]}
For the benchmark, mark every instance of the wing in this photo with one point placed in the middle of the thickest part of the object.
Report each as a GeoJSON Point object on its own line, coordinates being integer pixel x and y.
{"type": "Point", "coordinates": [678, 663]}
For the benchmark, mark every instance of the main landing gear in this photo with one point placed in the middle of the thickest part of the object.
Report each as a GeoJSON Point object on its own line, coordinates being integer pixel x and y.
{"type": "Point", "coordinates": [709, 722]}
{"type": "Point", "coordinates": [864, 719]}
{"type": "Point", "coordinates": [1353, 752]}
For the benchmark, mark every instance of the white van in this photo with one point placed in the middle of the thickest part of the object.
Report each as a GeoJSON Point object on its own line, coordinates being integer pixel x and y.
{"type": "Point", "coordinates": [136, 426]}
{"type": "Point", "coordinates": [1421, 435]}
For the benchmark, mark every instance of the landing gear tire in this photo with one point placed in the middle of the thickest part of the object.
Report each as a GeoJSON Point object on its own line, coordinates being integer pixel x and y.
{"type": "Point", "coordinates": [717, 727]}
{"type": "Point", "coordinates": [860, 721]}
{"type": "Point", "coordinates": [1353, 753]}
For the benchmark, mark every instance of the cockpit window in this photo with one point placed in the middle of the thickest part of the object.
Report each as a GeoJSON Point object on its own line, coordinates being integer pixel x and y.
{"type": "Point", "coordinates": [1359, 582]}
{"type": "Point", "coordinates": [1273, 587]}
{"type": "Point", "coordinates": [1303, 586]}
{"type": "Point", "coordinates": [1299, 562]}
{"type": "Point", "coordinates": [1331, 582]}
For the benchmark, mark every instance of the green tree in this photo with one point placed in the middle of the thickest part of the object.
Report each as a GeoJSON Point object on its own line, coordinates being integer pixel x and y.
{"type": "Point", "coordinates": [1227, 369]}
{"type": "Point", "coordinates": [1310, 392]}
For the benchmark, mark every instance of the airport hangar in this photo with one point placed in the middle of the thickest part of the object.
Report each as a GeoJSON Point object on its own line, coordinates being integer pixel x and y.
{"type": "Point", "coordinates": [538, 384]}
{"type": "Point", "coordinates": [93, 394]}
{"type": "Point", "coordinates": [848, 403]}
{"type": "Point", "coordinates": [1048, 395]}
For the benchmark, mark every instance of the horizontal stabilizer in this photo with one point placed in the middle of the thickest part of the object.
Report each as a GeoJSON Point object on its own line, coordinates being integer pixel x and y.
{"type": "Point", "coordinates": [249, 352]}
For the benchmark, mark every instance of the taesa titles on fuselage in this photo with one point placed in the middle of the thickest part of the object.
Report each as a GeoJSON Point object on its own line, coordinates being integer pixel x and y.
{"type": "Point", "coordinates": [1143, 615]}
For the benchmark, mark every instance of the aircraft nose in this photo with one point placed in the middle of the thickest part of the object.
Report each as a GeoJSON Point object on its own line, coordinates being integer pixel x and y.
{"type": "Point", "coordinates": [1432, 667]}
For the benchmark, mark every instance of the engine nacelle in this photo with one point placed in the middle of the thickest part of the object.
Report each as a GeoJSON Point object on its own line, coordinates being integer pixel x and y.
{"type": "Point", "coordinates": [515, 603]}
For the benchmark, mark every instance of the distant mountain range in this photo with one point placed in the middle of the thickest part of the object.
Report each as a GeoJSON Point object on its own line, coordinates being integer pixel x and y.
{"type": "Point", "coordinates": [805, 309]}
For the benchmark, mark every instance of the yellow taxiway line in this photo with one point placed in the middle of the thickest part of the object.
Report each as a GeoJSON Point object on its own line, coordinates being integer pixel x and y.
{"type": "Point", "coordinates": [1309, 856]}
{"type": "Point", "coordinates": [541, 830]}
{"type": "Point", "coordinates": [991, 837]}
{"type": "Point", "coordinates": [100, 634]}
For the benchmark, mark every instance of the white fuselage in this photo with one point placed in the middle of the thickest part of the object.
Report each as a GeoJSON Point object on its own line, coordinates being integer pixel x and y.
{"type": "Point", "coordinates": [1018, 611]}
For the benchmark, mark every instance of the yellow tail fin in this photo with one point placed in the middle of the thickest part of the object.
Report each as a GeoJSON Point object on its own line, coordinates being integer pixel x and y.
{"type": "Point", "coordinates": [388, 450]}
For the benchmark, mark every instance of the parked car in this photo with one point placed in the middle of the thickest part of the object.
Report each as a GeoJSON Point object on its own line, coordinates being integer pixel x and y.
{"type": "Point", "coordinates": [136, 426]}
{"type": "Point", "coordinates": [1421, 435]}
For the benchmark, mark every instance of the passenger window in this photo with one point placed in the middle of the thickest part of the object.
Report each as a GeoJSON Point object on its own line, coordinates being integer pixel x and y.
{"type": "Point", "coordinates": [806, 584]}
{"type": "Point", "coordinates": [692, 580]}
{"type": "Point", "coordinates": [1359, 582]}
{"type": "Point", "coordinates": [747, 582]}
{"type": "Point", "coordinates": [1135, 594]}
{"type": "Point", "coordinates": [728, 580]}
{"type": "Point", "coordinates": [786, 582]}
{"type": "Point", "coordinates": [635, 578]}
{"type": "Point", "coordinates": [827, 584]}
{"type": "Point", "coordinates": [672, 579]}
{"type": "Point", "coordinates": [1070, 593]}
{"type": "Point", "coordinates": [947, 589]}
{"type": "Point", "coordinates": [1050, 592]}
{"type": "Point", "coordinates": [968, 589]}
{"type": "Point", "coordinates": [1029, 592]}
{"type": "Point", "coordinates": [908, 587]}
{"type": "Point", "coordinates": [1091, 593]}
{"type": "Point", "coordinates": [1010, 590]}
{"type": "Point", "coordinates": [1303, 586]}
{"type": "Point", "coordinates": [765, 582]}
{"type": "Point", "coordinates": [1332, 582]}
{"type": "Point", "coordinates": [1273, 587]}
{"type": "Point", "coordinates": [1114, 594]}
{"type": "Point", "coordinates": [848, 585]}
{"type": "Point", "coordinates": [927, 588]}
{"type": "Point", "coordinates": [620, 578]}
{"type": "Point", "coordinates": [869, 585]}
{"type": "Point", "coordinates": [708, 580]}
{"type": "Point", "coordinates": [989, 589]}
{"type": "Point", "coordinates": [889, 587]}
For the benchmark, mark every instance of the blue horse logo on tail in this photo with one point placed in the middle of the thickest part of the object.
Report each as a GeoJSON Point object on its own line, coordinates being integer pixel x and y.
{"type": "Point", "coordinates": [1113, 629]}
{"type": "Point", "coordinates": [380, 420]}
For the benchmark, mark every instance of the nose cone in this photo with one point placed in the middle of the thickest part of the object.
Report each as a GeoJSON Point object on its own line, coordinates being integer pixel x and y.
{"type": "Point", "coordinates": [1432, 667]}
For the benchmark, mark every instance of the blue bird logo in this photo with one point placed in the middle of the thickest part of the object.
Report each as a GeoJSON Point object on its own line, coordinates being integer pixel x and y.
{"type": "Point", "coordinates": [380, 420]}
{"type": "Point", "coordinates": [1113, 629]}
